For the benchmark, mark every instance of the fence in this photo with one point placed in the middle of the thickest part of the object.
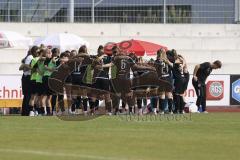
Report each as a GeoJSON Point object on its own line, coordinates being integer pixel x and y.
{"type": "Point", "coordinates": [120, 11]}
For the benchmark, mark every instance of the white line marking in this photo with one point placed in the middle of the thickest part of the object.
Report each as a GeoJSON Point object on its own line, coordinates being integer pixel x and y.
{"type": "Point", "coordinates": [57, 154]}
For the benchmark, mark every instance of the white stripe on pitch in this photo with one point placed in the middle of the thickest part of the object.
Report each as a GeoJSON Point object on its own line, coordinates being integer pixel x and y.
{"type": "Point", "coordinates": [57, 154]}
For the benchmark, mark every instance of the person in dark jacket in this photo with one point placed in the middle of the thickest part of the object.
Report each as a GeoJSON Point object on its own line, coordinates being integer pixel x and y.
{"type": "Point", "coordinates": [200, 74]}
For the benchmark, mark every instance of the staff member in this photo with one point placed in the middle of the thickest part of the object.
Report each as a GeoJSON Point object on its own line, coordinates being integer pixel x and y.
{"type": "Point", "coordinates": [200, 74]}
{"type": "Point", "coordinates": [26, 88]}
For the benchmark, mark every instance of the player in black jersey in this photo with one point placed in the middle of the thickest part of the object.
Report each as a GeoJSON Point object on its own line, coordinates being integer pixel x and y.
{"type": "Point", "coordinates": [121, 66]}
{"type": "Point", "coordinates": [100, 84]}
{"type": "Point", "coordinates": [76, 68]}
{"type": "Point", "coordinates": [78, 76]}
{"type": "Point", "coordinates": [181, 79]}
{"type": "Point", "coordinates": [144, 83]}
{"type": "Point", "coordinates": [57, 79]}
{"type": "Point", "coordinates": [68, 86]}
{"type": "Point", "coordinates": [164, 67]}
{"type": "Point", "coordinates": [120, 76]}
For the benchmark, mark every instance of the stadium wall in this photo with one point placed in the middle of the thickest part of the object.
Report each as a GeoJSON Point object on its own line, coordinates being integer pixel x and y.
{"type": "Point", "coordinates": [196, 42]}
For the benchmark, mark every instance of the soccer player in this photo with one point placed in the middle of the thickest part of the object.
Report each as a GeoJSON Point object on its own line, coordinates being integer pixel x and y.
{"type": "Point", "coordinates": [35, 53]}
{"type": "Point", "coordinates": [50, 66]}
{"type": "Point", "coordinates": [37, 69]}
{"type": "Point", "coordinates": [143, 82]}
{"type": "Point", "coordinates": [56, 82]}
{"type": "Point", "coordinates": [100, 83]}
{"type": "Point", "coordinates": [140, 100]}
{"type": "Point", "coordinates": [121, 66]}
{"type": "Point", "coordinates": [200, 74]}
{"type": "Point", "coordinates": [120, 74]}
{"type": "Point", "coordinates": [78, 75]}
{"type": "Point", "coordinates": [163, 67]}
{"type": "Point", "coordinates": [68, 86]}
{"type": "Point", "coordinates": [39, 80]}
{"type": "Point", "coordinates": [181, 79]}
{"type": "Point", "coordinates": [72, 101]}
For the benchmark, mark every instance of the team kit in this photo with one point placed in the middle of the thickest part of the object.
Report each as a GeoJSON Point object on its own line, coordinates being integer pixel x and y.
{"type": "Point", "coordinates": [122, 81]}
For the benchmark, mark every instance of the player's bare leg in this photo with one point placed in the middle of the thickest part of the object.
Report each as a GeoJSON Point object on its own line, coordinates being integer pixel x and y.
{"type": "Point", "coordinates": [68, 89]}
{"type": "Point", "coordinates": [43, 104]}
{"type": "Point", "coordinates": [161, 102]}
{"type": "Point", "coordinates": [48, 104]}
{"type": "Point", "coordinates": [108, 104]}
{"type": "Point", "coordinates": [169, 96]}
{"type": "Point", "coordinates": [130, 101]}
{"type": "Point", "coordinates": [85, 101]}
{"type": "Point", "coordinates": [32, 103]}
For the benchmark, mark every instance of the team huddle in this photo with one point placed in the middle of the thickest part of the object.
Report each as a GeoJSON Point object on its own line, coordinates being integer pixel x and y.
{"type": "Point", "coordinates": [87, 80]}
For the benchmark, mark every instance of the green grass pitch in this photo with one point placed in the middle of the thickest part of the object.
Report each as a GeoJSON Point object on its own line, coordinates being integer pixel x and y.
{"type": "Point", "coordinates": [214, 136]}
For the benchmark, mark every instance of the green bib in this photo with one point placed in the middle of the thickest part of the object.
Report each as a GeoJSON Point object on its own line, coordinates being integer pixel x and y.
{"type": "Point", "coordinates": [113, 71]}
{"type": "Point", "coordinates": [51, 65]}
{"type": "Point", "coordinates": [41, 69]}
{"type": "Point", "coordinates": [34, 72]}
{"type": "Point", "coordinates": [88, 78]}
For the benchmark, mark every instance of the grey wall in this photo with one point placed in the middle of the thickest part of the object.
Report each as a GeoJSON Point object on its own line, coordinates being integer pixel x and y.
{"type": "Point", "coordinates": [198, 43]}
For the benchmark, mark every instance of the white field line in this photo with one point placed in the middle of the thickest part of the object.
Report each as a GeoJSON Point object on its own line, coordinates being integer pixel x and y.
{"type": "Point", "coordinates": [57, 154]}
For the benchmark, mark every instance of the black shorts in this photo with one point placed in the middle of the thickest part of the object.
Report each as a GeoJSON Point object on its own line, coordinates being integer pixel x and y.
{"type": "Point", "coordinates": [68, 80]}
{"type": "Point", "coordinates": [102, 84]}
{"type": "Point", "coordinates": [39, 88]}
{"type": "Point", "coordinates": [166, 84]}
{"type": "Point", "coordinates": [119, 85]}
{"type": "Point", "coordinates": [33, 86]}
{"type": "Point", "coordinates": [168, 79]}
{"type": "Point", "coordinates": [77, 79]}
{"type": "Point", "coordinates": [46, 89]}
{"type": "Point", "coordinates": [145, 80]}
{"type": "Point", "coordinates": [100, 87]}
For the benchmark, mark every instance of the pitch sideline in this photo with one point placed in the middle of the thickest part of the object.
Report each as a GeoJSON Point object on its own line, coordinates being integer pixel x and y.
{"type": "Point", "coordinates": [56, 154]}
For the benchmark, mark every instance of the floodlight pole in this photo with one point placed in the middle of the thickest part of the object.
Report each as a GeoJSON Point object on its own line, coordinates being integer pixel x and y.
{"type": "Point", "coordinates": [93, 16]}
{"type": "Point", "coordinates": [9, 11]}
{"type": "Point", "coordinates": [164, 11]}
{"type": "Point", "coordinates": [237, 11]}
{"type": "Point", "coordinates": [93, 9]}
{"type": "Point", "coordinates": [21, 11]}
{"type": "Point", "coordinates": [71, 8]}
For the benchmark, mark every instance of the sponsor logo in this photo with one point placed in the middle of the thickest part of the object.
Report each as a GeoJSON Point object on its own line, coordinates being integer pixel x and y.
{"type": "Point", "coordinates": [236, 90]}
{"type": "Point", "coordinates": [215, 90]}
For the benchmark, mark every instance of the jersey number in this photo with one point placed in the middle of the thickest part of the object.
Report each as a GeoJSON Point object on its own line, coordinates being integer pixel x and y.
{"type": "Point", "coordinates": [123, 64]}
{"type": "Point", "coordinates": [164, 68]}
